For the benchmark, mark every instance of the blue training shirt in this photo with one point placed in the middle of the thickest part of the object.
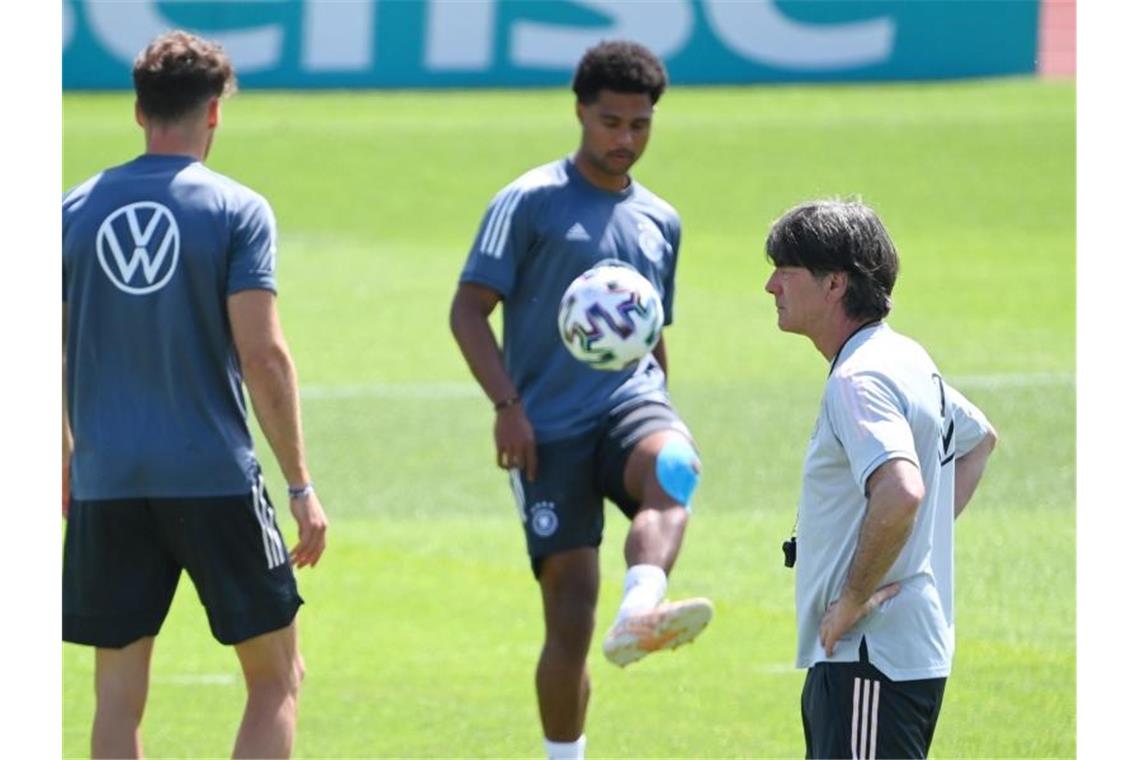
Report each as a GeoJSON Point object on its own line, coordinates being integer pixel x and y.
{"type": "Point", "coordinates": [539, 233]}
{"type": "Point", "coordinates": [151, 250]}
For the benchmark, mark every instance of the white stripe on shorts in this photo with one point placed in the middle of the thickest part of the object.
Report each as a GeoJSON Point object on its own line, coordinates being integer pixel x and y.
{"type": "Point", "coordinates": [864, 718]}
{"type": "Point", "coordinates": [270, 538]}
{"type": "Point", "coordinates": [517, 490]}
{"type": "Point", "coordinates": [874, 717]}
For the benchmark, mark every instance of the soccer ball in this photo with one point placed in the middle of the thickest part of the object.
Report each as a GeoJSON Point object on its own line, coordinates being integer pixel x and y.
{"type": "Point", "coordinates": [610, 316]}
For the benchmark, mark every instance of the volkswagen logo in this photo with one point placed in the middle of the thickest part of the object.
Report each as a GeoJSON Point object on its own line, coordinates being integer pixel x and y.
{"type": "Point", "coordinates": [137, 246]}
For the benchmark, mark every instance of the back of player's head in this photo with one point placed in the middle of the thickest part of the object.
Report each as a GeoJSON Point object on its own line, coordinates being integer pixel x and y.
{"type": "Point", "coordinates": [840, 236]}
{"type": "Point", "coordinates": [619, 66]}
{"type": "Point", "coordinates": [178, 72]}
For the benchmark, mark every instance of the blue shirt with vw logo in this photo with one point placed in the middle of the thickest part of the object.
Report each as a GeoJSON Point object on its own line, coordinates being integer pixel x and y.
{"type": "Point", "coordinates": [539, 233]}
{"type": "Point", "coordinates": [151, 250]}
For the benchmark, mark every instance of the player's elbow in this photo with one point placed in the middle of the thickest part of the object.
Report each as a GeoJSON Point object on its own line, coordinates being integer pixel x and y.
{"type": "Point", "coordinates": [471, 305]}
{"type": "Point", "coordinates": [910, 498]}
{"type": "Point", "coordinates": [990, 441]}
{"type": "Point", "coordinates": [458, 315]}
{"type": "Point", "coordinates": [897, 485]}
{"type": "Point", "coordinates": [906, 495]}
{"type": "Point", "coordinates": [265, 362]}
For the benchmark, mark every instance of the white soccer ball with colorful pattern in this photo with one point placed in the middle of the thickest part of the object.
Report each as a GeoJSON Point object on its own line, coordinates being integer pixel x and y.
{"type": "Point", "coordinates": [610, 317]}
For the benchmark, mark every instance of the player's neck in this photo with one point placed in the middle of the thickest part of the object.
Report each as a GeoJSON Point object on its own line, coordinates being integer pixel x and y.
{"type": "Point", "coordinates": [830, 341]}
{"type": "Point", "coordinates": [177, 142]}
{"type": "Point", "coordinates": [599, 178]}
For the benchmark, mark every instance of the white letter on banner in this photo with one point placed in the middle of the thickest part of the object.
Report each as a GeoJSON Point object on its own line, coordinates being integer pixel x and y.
{"type": "Point", "coordinates": [759, 31]}
{"type": "Point", "coordinates": [460, 36]}
{"type": "Point", "coordinates": [126, 28]}
{"type": "Point", "coordinates": [337, 36]}
{"type": "Point", "coordinates": [663, 26]}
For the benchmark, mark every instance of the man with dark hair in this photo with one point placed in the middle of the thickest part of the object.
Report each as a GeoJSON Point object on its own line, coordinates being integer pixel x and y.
{"type": "Point", "coordinates": [169, 304]}
{"type": "Point", "coordinates": [895, 455]}
{"type": "Point", "coordinates": [570, 435]}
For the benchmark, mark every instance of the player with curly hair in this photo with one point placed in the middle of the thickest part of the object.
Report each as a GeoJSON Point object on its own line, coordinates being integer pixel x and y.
{"type": "Point", "coordinates": [169, 308]}
{"type": "Point", "coordinates": [570, 435]}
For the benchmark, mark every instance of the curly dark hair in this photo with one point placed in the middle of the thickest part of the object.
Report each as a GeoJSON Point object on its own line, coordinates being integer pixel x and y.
{"type": "Point", "coordinates": [840, 236]}
{"type": "Point", "coordinates": [619, 66]}
{"type": "Point", "coordinates": [178, 72]}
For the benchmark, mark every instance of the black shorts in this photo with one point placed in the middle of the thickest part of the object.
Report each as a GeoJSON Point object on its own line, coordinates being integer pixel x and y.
{"type": "Point", "coordinates": [852, 710]}
{"type": "Point", "coordinates": [122, 560]}
{"type": "Point", "coordinates": [563, 508]}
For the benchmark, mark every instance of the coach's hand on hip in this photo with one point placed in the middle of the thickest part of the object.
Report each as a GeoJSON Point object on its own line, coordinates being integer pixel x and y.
{"type": "Point", "coordinates": [311, 528]}
{"type": "Point", "coordinates": [844, 613]}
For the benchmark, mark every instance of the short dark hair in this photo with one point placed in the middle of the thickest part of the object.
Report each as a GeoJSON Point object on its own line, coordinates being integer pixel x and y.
{"type": "Point", "coordinates": [840, 236]}
{"type": "Point", "coordinates": [178, 72]}
{"type": "Point", "coordinates": [619, 66]}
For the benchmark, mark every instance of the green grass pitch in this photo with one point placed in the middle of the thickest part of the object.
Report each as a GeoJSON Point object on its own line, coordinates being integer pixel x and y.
{"type": "Point", "coordinates": [422, 625]}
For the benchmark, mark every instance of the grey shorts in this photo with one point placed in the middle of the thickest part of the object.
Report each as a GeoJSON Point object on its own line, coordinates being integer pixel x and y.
{"type": "Point", "coordinates": [563, 508]}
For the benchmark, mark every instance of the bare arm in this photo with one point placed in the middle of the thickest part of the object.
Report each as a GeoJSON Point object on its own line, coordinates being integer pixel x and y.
{"type": "Point", "coordinates": [969, 468]}
{"type": "Point", "coordinates": [470, 314]}
{"type": "Point", "coordinates": [895, 491]}
{"type": "Point", "coordinates": [269, 375]}
{"type": "Point", "coordinates": [471, 309]}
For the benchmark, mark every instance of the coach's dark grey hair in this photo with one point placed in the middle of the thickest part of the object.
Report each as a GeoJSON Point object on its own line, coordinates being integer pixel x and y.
{"type": "Point", "coordinates": [840, 236]}
{"type": "Point", "coordinates": [619, 66]}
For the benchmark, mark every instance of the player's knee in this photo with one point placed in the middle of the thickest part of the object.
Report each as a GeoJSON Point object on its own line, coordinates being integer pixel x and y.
{"type": "Point", "coordinates": [569, 641]}
{"type": "Point", "coordinates": [678, 469]}
{"type": "Point", "coordinates": [126, 700]}
{"type": "Point", "coordinates": [574, 613]}
{"type": "Point", "coordinates": [292, 676]}
{"type": "Point", "coordinates": [570, 625]}
{"type": "Point", "coordinates": [277, 676]}
{"type": "Point", "coordinates": [298, 672]}
{"type": "Point", "coordinates": [276, 686]}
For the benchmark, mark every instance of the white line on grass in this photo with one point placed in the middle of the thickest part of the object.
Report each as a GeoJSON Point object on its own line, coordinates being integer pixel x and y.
{"type": "Point", "coordinates": [198, 679]}
{"type": "Point", "coordinates": [438, 390]}
{"type": "Point", "coordinates": [776, 668]}
{"type": "Point", "coordinates": [448, 390]}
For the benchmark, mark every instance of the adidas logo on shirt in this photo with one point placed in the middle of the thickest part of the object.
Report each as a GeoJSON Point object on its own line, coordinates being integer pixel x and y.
{"type": "Point", "coordinates": [577, 232]}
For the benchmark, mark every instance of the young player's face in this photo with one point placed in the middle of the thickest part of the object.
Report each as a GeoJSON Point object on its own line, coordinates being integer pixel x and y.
{"type": "Point", "coordinates": [801, 298]}
{"type": "Point", "coordinates": [615, 130]}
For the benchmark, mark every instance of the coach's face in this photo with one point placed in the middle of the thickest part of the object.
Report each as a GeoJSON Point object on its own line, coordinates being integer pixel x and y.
{"type": "Point", "coordinates": [615, 130]}
{"type": "Point", "coordinates": [803, 300]}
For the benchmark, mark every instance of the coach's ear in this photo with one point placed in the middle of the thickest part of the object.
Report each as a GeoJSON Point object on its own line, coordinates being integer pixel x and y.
{"type": "Point", "coordinates": [139, 118]}
{"type": "Point", "coordinates": [579, 110]}
{"type": "Point", "coordinates": [836, 286]}
{"type": "Point", "coordinates": [213, 112]}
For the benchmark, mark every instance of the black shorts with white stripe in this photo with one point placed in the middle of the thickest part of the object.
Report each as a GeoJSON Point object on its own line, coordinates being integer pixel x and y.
{"type": "Point", "coordinates": [852, 710]}
{"type": "Point", "coordinates": [123, 558]}
{"type": "Point", "coordinates": [562, 509]}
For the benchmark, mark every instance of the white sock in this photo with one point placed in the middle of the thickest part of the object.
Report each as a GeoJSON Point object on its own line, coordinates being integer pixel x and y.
{"type": "Point", "coordinates": [566, 750]}
{"type": "Point", "coordinates": [644, 588]}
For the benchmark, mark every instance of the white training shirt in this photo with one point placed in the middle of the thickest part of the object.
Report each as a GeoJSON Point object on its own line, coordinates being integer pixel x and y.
{"type": "Point", "coordinates": [884, 399]}
{"type": "Point", "coordinates": [969, 428]}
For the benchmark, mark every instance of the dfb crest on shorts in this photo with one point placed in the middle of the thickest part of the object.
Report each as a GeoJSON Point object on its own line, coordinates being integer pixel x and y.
{"type": "Point", "coordinates": [543, 519]}
{"type": "Point", "coordinates": [137, 246]}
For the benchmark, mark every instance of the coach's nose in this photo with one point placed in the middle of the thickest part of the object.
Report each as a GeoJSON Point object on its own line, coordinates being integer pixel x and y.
{"type": "Point", "coordinates": [770, 285]}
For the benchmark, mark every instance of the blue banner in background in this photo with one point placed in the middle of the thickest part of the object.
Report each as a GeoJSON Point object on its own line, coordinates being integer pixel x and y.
{"type": "Point", "coordinates": [506, 43]}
